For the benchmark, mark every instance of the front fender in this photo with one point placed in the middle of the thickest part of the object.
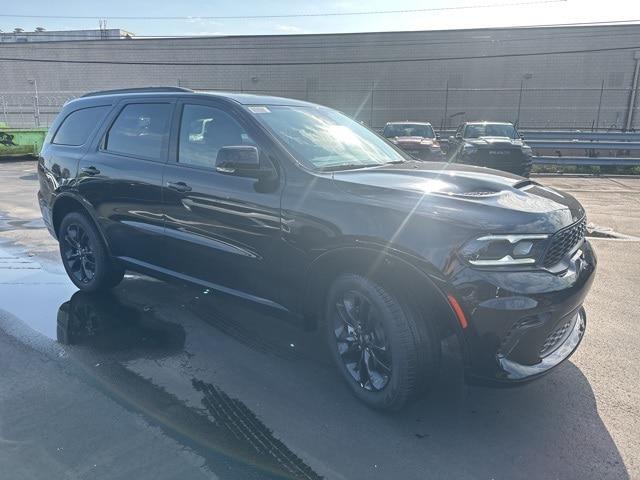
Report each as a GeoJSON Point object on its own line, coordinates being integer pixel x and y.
{"type": "Point", "coordinates": [405, 273]}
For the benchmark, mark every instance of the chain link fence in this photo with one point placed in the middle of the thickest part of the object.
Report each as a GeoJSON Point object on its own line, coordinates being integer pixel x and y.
{"type": "Point", "coordinates": [598, 109]}
{"type": "Point", "coordinates": [28, 110]}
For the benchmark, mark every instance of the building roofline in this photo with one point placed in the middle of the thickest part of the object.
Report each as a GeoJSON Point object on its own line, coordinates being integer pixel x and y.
{"type": "Point", "coordinates": [452, 31]}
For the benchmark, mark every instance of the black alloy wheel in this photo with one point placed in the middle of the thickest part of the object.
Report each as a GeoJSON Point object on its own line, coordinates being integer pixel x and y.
{"type": "Point", "coordinates": [362, 342]}
{"type": "Point", "coordinates": [385, 349]}
{"type": "Point", "coordinates": [78, 253]}
{"type": "Point", "coordinates": [85, 256]}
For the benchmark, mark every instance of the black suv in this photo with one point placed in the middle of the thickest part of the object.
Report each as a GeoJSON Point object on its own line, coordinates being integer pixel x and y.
{"type": "Point", "coordinates": [491, 144]}
{"type": "Point", "coordinates": [300, 209]}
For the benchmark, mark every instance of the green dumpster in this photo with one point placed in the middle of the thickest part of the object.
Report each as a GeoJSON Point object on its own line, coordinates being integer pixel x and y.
{"type": "Point", "coordinates": [20, 142]}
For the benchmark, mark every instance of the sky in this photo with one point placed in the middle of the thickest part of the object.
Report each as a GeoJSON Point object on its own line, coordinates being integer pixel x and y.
{"type": "Point", "coordinates": [498, 13]}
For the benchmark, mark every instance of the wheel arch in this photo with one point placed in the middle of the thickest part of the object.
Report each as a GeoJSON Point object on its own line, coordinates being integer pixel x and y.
{"type": "Point", "coordinates": [66, 203]}
{"type": "Point", "coordinates": [391, 269]}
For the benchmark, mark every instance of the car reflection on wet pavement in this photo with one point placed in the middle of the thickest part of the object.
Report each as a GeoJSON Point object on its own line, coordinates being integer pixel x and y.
{"type": "Point", "coordinates": [107, 326]}
{"type": "Point", "coordinates": [101, 322]}
{"type": "Point", "coordinates": [253, 396]}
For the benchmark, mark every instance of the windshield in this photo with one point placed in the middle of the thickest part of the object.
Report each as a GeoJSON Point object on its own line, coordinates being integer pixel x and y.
{"type": "Point", "coordinates": [490, 130]}
{"type": "Point", "coordinates": [408, 130]}
{"type": "Point", "coordinates": [324, 138]}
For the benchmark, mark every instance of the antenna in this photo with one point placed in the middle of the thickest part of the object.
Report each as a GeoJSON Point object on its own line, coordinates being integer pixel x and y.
{"type": "Point", "coordinates": [102, 25]}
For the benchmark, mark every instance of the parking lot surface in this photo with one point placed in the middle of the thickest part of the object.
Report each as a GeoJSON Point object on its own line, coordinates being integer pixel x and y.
{"type": "Point", "coordinates": [165, 381]}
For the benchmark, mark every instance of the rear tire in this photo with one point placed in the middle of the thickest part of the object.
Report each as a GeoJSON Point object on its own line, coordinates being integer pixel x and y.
{"type": "Point", "coordinates": [85, 256]}
{"type": "Point", "coordinates": [385, 352]}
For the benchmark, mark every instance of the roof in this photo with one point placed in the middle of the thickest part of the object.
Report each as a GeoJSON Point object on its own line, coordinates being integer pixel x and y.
{"type": "Point", "coordinates": [251, 99]}
{"type": "Point", "coordinates": [242, 98]}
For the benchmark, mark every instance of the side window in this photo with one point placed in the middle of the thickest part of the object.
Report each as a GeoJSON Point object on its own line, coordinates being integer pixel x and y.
{"type": "Point", "coordinates": [204, 131]}
{"type": "Point", "coordinates": [141, 130]}
{"type": "Point", "coordinates": [78, 125]}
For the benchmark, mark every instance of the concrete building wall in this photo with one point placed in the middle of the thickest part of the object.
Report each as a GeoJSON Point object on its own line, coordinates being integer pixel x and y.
{"type": "Point", "coordinates": [360, 73]}
{"type": "Point", "coordinates": [63, 36]}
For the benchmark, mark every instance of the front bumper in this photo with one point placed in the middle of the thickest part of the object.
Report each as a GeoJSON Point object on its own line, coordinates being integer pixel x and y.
{"type": "Point", "coordinates": [510, 160]}
{"type": "Point", "coordinates": [561, 350]}
{"type": "Point", "coordinates": [523, 324]}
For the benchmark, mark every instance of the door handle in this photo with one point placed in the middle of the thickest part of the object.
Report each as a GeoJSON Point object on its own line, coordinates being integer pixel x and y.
{"type": "Point", "coordinates": [90, 170]}
{"type": "Point", "coordinates": [179, 186]}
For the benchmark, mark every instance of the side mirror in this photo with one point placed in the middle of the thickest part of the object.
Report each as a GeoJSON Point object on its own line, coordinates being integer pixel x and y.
{"type": "Point", "coordinates": [437, 136]}
{"type": "Point", "coordinates": [458, 135]}
{"type": "Point", "coordinates": [238, 160]}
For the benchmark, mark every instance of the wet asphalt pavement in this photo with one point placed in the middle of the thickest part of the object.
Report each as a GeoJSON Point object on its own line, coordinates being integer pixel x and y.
{"type": "Point", "coordinates": [165, 381]}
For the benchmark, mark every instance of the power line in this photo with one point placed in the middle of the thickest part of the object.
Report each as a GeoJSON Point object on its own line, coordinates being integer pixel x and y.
{"type": "Point", "coordinates": [328, 62]}
{"type": "Point", "coordinates": [289, 15]}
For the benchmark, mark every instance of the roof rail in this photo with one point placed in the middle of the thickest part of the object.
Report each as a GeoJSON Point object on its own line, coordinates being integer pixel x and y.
{"type": "Point", "coordinates": [137, 90]}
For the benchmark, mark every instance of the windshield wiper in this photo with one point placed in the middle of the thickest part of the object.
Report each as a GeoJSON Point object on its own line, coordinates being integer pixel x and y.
{"type": "Point", "coordinates": [348, 166]}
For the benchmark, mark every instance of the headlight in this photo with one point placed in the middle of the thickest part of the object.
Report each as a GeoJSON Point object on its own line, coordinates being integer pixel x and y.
{"type": "Point", "coordinates": [504, 250]}
{"type": "Point", "coordinates": [527, 150]}
{"type": "Point", "coordinates": [469, 149]}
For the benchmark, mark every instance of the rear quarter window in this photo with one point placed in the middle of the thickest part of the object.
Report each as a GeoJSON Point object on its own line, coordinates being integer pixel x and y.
{"type": "Point", "coordinates": [140, 130]}
{"type": "Point", "coordinates": [78, 125]}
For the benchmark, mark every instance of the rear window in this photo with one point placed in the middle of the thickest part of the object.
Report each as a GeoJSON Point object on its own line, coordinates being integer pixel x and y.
{"type": "Point", "coordinates": [78, 125]}
{"type": "Point", "coordinates": [141, 130]}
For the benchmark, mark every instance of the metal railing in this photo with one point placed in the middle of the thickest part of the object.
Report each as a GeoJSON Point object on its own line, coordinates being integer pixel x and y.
{"type": "Point", "coordinates": [579, 148]}
{"type": "Point", "coordinates": [614, 149]}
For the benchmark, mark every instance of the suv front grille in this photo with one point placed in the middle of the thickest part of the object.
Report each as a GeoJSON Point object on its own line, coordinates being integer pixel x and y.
{"type": "Point", "coordinates": [564, 242]}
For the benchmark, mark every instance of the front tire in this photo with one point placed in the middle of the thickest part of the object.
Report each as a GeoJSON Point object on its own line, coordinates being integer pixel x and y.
{"type": "Point", "coordinates": [386, 354]}
{"type": "Point", "coordinates": [85, 256]}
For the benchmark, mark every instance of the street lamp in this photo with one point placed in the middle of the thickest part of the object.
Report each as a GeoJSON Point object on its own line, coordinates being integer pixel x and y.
{"type": "Point", "coordinates": [36, 101]}
{"type": "Point", "coordinates": [526, 76]}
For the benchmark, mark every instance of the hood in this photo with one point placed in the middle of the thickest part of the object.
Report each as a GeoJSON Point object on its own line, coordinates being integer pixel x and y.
{"type": "Point", "coordinates": [472, 194]}
{"type": "Point", "coordinates": [414, 142]}
{"type": "Point", "coordinates": [480, 141]}
{"type": "Point", "coordinates": [412, 139]}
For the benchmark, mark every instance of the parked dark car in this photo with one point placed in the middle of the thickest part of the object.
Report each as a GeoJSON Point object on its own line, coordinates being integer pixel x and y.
{"type": "Point", "coordinates": [491, 144]}
{"type": "Point", "coordinates": [300, 209]}
{"type": "Point", "coordinates": [416, 138]}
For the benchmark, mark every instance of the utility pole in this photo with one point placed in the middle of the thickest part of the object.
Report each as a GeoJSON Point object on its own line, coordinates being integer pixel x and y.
{"type": "Point", "coordinates": [443, 126]}
{"type": "Point", "coordinates": [599, 106]}
{"type": "Point", "coordinates": [519, 102]}
{"type": "Point", "coordinates": [371, 109]}
{"type": "Point", "coordinates": [4, 110]}
{"type": "Point", "coordinates": [36, 102]}
{"type": "Point", "coordinates": [526, 76]}
{"type": "Point", "coordinates": [634, 92]}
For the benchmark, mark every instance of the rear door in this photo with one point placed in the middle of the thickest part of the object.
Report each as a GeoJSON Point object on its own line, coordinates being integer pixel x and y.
{"type": "Point", "coordinates": [221, 229]}
{"type": "Point", "coordinates": [121, 176]}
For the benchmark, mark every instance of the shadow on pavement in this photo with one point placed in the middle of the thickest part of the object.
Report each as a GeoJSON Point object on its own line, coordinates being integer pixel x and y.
{"type": "Point", "coordinates": [547, 429]}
